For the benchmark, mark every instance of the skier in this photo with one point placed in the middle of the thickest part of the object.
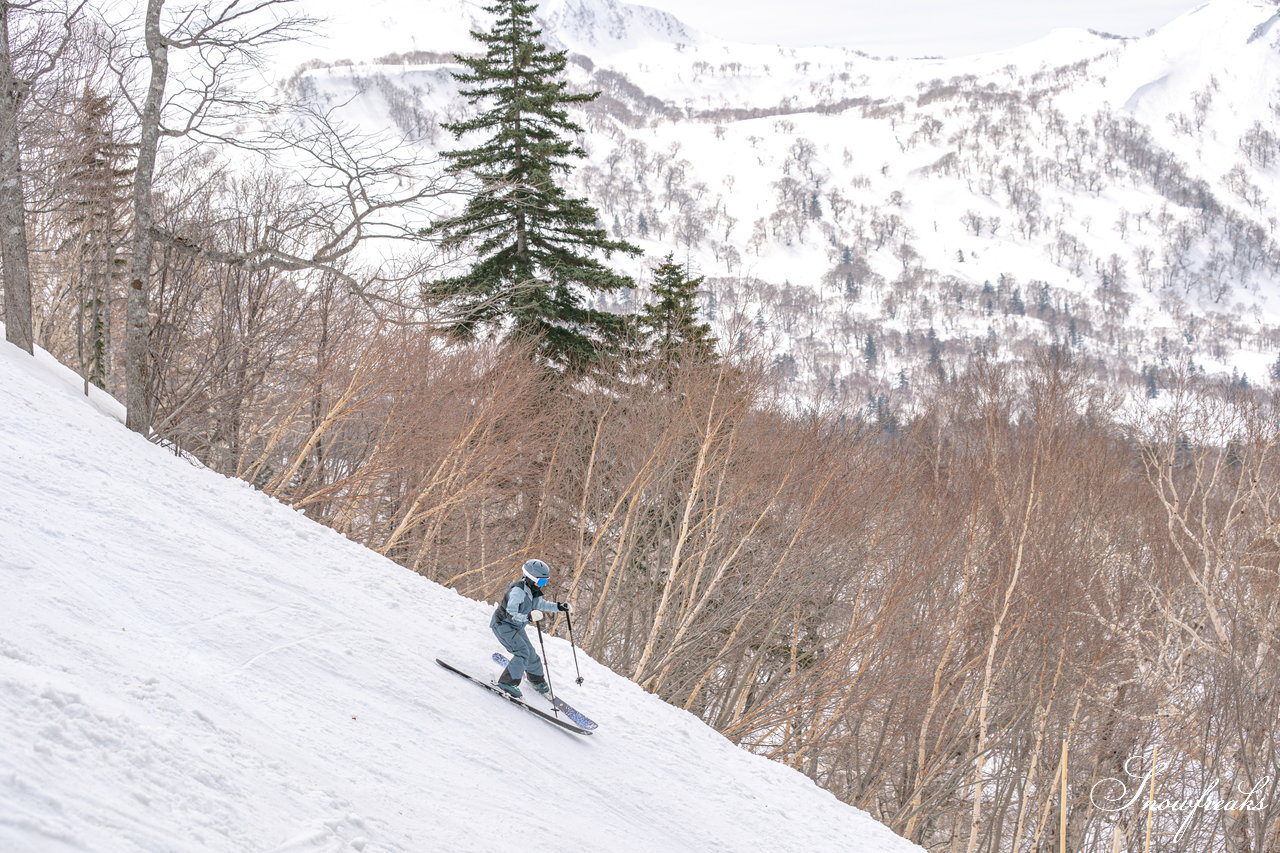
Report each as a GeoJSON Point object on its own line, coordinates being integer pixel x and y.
{"type": "Point", "coordinates": [523, 604]}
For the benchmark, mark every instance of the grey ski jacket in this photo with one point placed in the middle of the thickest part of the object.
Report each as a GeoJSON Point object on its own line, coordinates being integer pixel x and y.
{"type": "Point", "coordinates": [519, 602]}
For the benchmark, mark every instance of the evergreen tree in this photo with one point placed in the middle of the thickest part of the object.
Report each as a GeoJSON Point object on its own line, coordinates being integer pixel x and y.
{"type": "Point", "coordinates": [784, 367]}
{"type": "Point", "coordinates": [535, 243]}
{"type": "Point", "coordinates": [670, 321]}
{"type": "Point", "coordinates": [669, 324]}
{"type": "Point", "coordinates": [1016, 304]}
{"type": "Point", "coordinates": [1150, 381]}
{"type": "Point", "coordinates": [870, 354]}
{"type": "Point", "coordinates": [1044, 305]}
{"type": "Point", "coordinates": [935, 354]}
{"type": "Point", "coordinates": [882, 413]}
{"type": "Point", "coordinates": [847, 269]}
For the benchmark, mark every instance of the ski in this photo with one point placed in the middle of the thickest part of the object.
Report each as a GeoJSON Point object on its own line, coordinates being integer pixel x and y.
{"type": "Point", "coordinates": [564, 724]}
{"type": "Point", "coordinates": [559, 704]}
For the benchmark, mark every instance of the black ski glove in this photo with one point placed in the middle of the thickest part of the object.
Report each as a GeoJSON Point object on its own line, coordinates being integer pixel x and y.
{"type": "Point", "coordinates": [563, 606]}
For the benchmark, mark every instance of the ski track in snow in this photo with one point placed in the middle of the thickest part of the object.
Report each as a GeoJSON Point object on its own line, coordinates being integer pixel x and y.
{"type": "Point", "coordinates": [188, 665]}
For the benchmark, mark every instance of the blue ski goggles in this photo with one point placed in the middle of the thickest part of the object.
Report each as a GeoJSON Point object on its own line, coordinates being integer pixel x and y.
{"type": "Point", "coordinates": [540, 582]}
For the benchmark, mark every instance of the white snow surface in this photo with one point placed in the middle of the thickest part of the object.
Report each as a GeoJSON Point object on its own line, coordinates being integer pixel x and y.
{"type": "Point", "coordinates": [189, 665]}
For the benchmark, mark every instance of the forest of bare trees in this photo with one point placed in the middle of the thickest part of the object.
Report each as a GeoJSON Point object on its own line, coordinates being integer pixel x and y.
{"type": "Point", "coordinates": [918, 612]}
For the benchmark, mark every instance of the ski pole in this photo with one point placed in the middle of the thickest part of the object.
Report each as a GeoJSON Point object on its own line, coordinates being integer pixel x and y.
{"type": "Point", "coordinates": [546, 664]}
{"type": "Point", "coordinates": [569, 621]}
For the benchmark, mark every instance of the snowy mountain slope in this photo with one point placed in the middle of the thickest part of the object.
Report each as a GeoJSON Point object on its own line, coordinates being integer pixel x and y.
{"type": "Point", "coordinates": [601, 26]}
{"type": "Point", "coordinates": [1113, 195]}
{"type": "Point", "coordinates": [363, 32]}
{"type": "Point", "coordinates": [187, 665]}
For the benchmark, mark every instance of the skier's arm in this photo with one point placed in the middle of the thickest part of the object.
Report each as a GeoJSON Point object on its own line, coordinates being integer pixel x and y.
{"type": "Point", "coordinates": [514, 599]}
{"type": "Point", "coordinates": [549, 606]}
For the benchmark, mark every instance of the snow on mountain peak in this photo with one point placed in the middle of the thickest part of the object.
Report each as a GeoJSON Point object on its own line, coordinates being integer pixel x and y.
{"type": "Point", "coordinates": [596, 25]}
{"type": "Point", "coordinates": [374, 28]}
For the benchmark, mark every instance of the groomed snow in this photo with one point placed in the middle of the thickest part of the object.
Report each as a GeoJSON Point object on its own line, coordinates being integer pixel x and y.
{"type": "Point", "coordinates": [188, 665]}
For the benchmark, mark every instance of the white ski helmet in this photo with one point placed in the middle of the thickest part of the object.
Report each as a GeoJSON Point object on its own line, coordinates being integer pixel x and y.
{"type": "Point", "coordinates": [537, 572]}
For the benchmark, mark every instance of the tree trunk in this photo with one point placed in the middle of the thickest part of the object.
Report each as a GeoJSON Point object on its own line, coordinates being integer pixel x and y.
{"type": "Point", "coordinates": [138, 391]}
{"type": "Point", "coordinates": [13, 220]}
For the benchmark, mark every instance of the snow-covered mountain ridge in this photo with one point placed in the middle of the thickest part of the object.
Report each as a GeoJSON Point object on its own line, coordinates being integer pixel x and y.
{"type": "Point", "coordinates": [876, 221]}
{"type": "Point", "coordinates": [187, 665]}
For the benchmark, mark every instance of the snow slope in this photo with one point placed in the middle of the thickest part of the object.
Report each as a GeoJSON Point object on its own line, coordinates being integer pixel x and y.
{"type": "Point", "coordinates": [188, 665]}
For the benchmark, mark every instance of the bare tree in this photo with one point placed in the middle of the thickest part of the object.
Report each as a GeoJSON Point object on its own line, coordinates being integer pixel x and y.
{"type": "Point", "coordinates": [352, 190]}
{"type": "Point", "coordinates": [220, 37]}
{"type": "Point", "coordinates": [94, 186]}
{"type": "Point", "coordinates": [35, 53]}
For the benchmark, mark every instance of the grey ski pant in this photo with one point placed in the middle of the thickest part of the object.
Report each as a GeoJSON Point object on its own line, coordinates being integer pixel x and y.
{"type": "Point", "coordinates": [523, 657]}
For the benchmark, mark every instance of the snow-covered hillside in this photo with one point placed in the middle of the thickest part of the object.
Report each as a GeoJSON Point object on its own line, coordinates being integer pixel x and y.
{"type": "Point", "coordinates": [876, 221]}
{"type": "Point", "coordinates": [187, 665]}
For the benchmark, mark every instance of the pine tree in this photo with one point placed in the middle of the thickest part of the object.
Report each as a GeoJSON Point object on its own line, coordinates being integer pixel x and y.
{"type": "Point", "coordinates": [1150, 381]}
{"type": "Point", "coordinates": [870, 355]}
{"type": "Point", "coordinates": [1044, 305]}
{"type": "Point", "coordinates": [535, 243]}
{"type": "Point", "coordinates": [669, 324]}
{"type": "Point", "coordinates": [846, 268]}
{"type": "Point", "coordinates": [935, 354]}
{"type": "Point", "coordinates": [1016, 305]}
